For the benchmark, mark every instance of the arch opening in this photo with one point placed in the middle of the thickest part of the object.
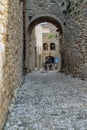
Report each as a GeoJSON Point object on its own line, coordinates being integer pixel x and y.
{"type": "Point", "coordinates": [59, 30]}
{"type": "Point", "coordinates": [51, 19]}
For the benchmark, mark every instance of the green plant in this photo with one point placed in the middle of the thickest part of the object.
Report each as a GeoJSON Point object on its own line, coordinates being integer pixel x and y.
{"type": "Point", "coordinates": [51, 35]}
{"type": "Point", "coordinates": [70, 5]}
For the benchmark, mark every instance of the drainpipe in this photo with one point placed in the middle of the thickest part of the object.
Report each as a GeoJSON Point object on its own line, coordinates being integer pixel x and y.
{"type": "Point", "coordinates": [24, 36]}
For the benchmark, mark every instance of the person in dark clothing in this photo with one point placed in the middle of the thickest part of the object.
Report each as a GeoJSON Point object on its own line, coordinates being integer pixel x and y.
{"type": "Point", "coordinates": [50, 66]}
{"type": "Point", "coordinates": [45, 66]}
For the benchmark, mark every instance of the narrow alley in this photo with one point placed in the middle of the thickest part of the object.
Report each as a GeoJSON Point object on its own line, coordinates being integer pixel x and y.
{"type": "Point", "coordinates": [49, 101]}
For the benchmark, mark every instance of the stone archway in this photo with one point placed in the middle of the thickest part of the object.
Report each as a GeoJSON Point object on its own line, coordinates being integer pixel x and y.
{"type": "Point", "coordinates": [37, 20]}
{"type": "Point", "coordinates": [45, 18]}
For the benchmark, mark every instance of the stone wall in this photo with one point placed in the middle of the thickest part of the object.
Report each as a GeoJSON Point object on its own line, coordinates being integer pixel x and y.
{"type": "Point", "coordinates": [32, 51]}
{"type": "Point", "coordinates": [39, 9]}
{"type": "Point", "coordinates": [38, 34]}
{"type": "Point", "coordinates": [11, 40]}
{"type": "Point", "coordinates": [73, 47]}
{"type": "Point", "coordinates": [74, 54]}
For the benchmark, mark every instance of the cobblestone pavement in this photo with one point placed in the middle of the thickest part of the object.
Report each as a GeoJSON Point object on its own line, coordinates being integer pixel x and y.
{"type": "Point", "coordinates": [49, 101]}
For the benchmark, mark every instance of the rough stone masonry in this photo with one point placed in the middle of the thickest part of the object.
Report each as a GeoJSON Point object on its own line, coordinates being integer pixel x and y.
{"type": "Point", "coordinates": [11, 45]}
{"type": "Point", "coordinates": [74, 25]}
{"type": "Point", "coordinates": [75, 42]}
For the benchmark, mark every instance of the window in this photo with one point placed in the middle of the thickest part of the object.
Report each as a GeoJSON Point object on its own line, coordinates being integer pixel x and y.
{"type": "Point", "coordinates": [45, 46]}
{"type": "Point", "coordinates": [52, 46]}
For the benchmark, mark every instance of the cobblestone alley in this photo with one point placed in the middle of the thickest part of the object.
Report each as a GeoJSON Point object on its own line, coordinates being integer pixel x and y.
{"type": "Point", "coordinates": [49, 101]}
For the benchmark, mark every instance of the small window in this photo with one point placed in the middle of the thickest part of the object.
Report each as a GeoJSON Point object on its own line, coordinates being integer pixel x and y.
{"type": "Point", "coordinates": [52, 46]}
{"type": "Point", "coordinates": [45, 46]}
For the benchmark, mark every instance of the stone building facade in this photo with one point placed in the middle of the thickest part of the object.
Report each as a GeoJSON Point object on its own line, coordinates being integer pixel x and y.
{"type": "Point", "coordinates": [75, 42]}
{"type": "Point", "coordinates": [11, 49]}
{"type": "Point", "coordinates": [38, 34]}
{"type": "Point", "coordinates": [51, 41]}
{"type": "Point", "coordinates": [72, 31]}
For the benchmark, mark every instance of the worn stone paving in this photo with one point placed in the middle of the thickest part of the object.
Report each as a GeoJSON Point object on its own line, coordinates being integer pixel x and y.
{"type": "Point", "coordinates": [49, 101]}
